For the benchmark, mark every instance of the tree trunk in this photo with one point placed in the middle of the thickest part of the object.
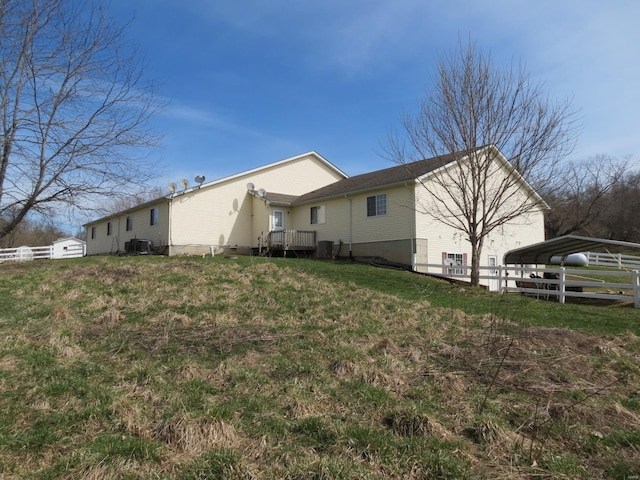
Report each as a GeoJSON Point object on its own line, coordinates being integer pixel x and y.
{"type": "Point", "coordinates": [476, 251]}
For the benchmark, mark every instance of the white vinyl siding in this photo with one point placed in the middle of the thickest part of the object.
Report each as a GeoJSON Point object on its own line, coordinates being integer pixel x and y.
{"type": "Point", "coordinates": [139, 221]}
{"type": "Point", "coordinates": [442, 238]}
{"type": "Point", "coordinates": [224, 213]}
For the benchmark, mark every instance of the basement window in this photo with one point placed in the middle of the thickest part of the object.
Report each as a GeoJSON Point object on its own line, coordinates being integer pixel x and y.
{"type": "Point", "coordinates": [377, 205]}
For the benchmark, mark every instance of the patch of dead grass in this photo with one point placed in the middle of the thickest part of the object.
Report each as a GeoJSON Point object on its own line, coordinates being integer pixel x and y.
{"type": "Point", "coordinates": [195, 436]}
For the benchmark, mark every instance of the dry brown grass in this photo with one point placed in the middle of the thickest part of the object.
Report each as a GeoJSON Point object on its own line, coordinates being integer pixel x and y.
{"type": "Point", "coordinates": [173, 368]}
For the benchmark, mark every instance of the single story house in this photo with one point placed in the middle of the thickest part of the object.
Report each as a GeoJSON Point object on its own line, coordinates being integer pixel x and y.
{"type": "Point", "coordinates": [306, 204]}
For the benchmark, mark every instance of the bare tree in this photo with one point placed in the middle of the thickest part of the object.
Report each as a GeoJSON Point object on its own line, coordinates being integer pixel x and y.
{"type": "Point", "coordinates": [622, 203]}
{"type": "Point", "coordinates": [125, 202]}
{"type": "Point", "coordinates": [581, 195]}
{"type": "Point", "coordinates": [74, 107]}
{"type": "Point", "coordinates": [475, 104]}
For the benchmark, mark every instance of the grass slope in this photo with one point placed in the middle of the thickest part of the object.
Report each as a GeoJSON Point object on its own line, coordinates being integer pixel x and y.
{"type": "Point", "coordinates": [167, 368]}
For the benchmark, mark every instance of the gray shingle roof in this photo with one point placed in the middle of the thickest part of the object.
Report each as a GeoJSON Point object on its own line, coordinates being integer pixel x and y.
{"type": "Point", "coordinates": [381, 178]}
{"type": "Point", "coordinates": [280, 198]}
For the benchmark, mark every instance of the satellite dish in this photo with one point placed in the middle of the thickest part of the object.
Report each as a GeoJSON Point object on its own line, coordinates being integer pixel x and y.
{"type": "Point", "coordinates": [172, 187]}
{"type": "Point", "coordinates": [199, 179]}
{"type": "Point", "coordinates": [262, 192]}
{"type": "Point", "coordinates": [251, 187]}
{"type": "Point", "coordinates": [184, 182]}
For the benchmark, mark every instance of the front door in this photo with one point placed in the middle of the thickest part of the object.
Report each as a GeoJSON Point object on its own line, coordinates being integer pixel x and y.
{"type": "Point", "coordinates": [277, 228]}
{"type": "Point", "coordinates": [277, 220]}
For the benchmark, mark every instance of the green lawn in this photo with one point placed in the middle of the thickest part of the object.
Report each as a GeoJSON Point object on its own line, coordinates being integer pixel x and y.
{"type": "Point", "coordinates": [576, 314]}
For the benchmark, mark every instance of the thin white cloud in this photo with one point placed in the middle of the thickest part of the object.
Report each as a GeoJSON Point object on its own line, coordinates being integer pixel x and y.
{"type": "Point", "coordinates": [583, 49]}
{"type": "Point", "coordinates": [189, 114]}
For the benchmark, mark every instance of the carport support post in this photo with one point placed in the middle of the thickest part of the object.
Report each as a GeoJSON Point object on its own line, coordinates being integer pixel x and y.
{"type": "Point", "coordinates": [636, 289]}
{"type": "Point", "coordinates": [562, 285]}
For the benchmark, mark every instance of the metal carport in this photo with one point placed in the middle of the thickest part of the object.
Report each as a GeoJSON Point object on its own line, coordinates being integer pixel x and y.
{"type": "Point", "coordinates": [541, 253]}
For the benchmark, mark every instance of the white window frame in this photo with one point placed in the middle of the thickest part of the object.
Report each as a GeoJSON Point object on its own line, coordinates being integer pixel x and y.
{"type": "Point", "coordinates": [154, 216]}
{"type": "Point", "coordinates": [455, 263]}
{"type": "Point", "coordinates": [380, 205]}
{"type": "Point", "coordinates": [320, 215]}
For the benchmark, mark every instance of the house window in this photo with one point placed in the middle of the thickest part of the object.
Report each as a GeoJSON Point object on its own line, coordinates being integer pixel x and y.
{"type": "Point", "coordinates": [108, 228]}
{"type": "Point", "coordinates": [454, 263]}
{"type": "Point", "coordinates": [153, 218]}
{"type": "Point", "coordinates": [317, 215]}
{"type": "Point", "coordinates": [377, 205]}
{"type": "Point", "coordinates": [93, 232]}
{"type": "Point", "coordinates": [129, 223]}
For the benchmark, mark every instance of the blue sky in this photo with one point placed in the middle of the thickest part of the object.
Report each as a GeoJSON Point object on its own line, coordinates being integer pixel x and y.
{"type": "Point", "coordinates": [250, 82]}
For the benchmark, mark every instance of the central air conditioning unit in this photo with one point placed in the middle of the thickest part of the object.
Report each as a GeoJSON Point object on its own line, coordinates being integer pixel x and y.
{"type": "Point", "coordinates": [137, 246]}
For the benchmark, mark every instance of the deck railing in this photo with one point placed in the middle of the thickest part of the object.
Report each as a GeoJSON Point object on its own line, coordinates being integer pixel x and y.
{"type": "Point", "coordinates": [288, 240]}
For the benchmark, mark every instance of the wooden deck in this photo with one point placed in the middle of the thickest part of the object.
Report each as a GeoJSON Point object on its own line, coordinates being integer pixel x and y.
{"type": "Point", "coordinates": [287, 240]}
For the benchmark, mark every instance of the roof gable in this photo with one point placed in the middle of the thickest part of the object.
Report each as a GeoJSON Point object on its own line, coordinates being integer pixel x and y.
{"type": "Point", "coordinates": [214, 183]}
{"type": "Point", "coordinates": [279, 163]}
{"type": "Point", "coordinates": [407, 173]}
{"type": "Point", "coordinates": [387, 177]}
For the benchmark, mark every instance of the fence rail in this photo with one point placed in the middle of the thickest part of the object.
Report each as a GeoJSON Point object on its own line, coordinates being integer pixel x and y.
{"type": "Point", "coordinates": [613, 260]}
{"type": "Point", "coordinates": [560, 282]}
{"type": "Point", "coordinates": [21, 254]}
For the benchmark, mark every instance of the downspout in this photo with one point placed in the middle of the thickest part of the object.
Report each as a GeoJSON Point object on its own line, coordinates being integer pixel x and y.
{"type": "Point", "coordinates": [118, 235]}
{"type": "Point", "coordinates": [414, 253]}
{"type": "Point", "coordinates": [350, 225]}
{"type": "Point", "coordinates": [251, 223]}
{"type": "Point", "coordinates": [169, 239]}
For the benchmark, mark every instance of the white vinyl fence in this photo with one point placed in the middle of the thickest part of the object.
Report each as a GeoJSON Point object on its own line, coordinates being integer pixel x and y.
{"type": "Point", "coordinates": [21, 254]}
{"type": "Point", "coordinates": [551, 282]}
{"type": "Point", "coordinates": [613, 260]}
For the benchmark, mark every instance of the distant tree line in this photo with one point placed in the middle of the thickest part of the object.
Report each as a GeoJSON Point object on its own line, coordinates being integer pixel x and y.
{"type": "Point", "coordinates": [32, 234]}
{"type": "Point", "coordinates": [596, 198]}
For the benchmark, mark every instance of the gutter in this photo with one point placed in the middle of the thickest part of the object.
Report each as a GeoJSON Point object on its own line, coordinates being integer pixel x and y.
{"type": "Point", "coordinates": [350, 225]}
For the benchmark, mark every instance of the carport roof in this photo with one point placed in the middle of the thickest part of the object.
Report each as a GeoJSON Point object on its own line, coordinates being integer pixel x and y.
{"type": "Point", "coordinates": [541, 253]}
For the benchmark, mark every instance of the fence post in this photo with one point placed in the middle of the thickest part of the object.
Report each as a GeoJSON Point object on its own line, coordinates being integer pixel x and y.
{"type": "Point", "coordinates": [500, 278]}
{"type": "Point", "coordinates": [562, 285]}
{"type": "Point", "coordinates": [636, 289]}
